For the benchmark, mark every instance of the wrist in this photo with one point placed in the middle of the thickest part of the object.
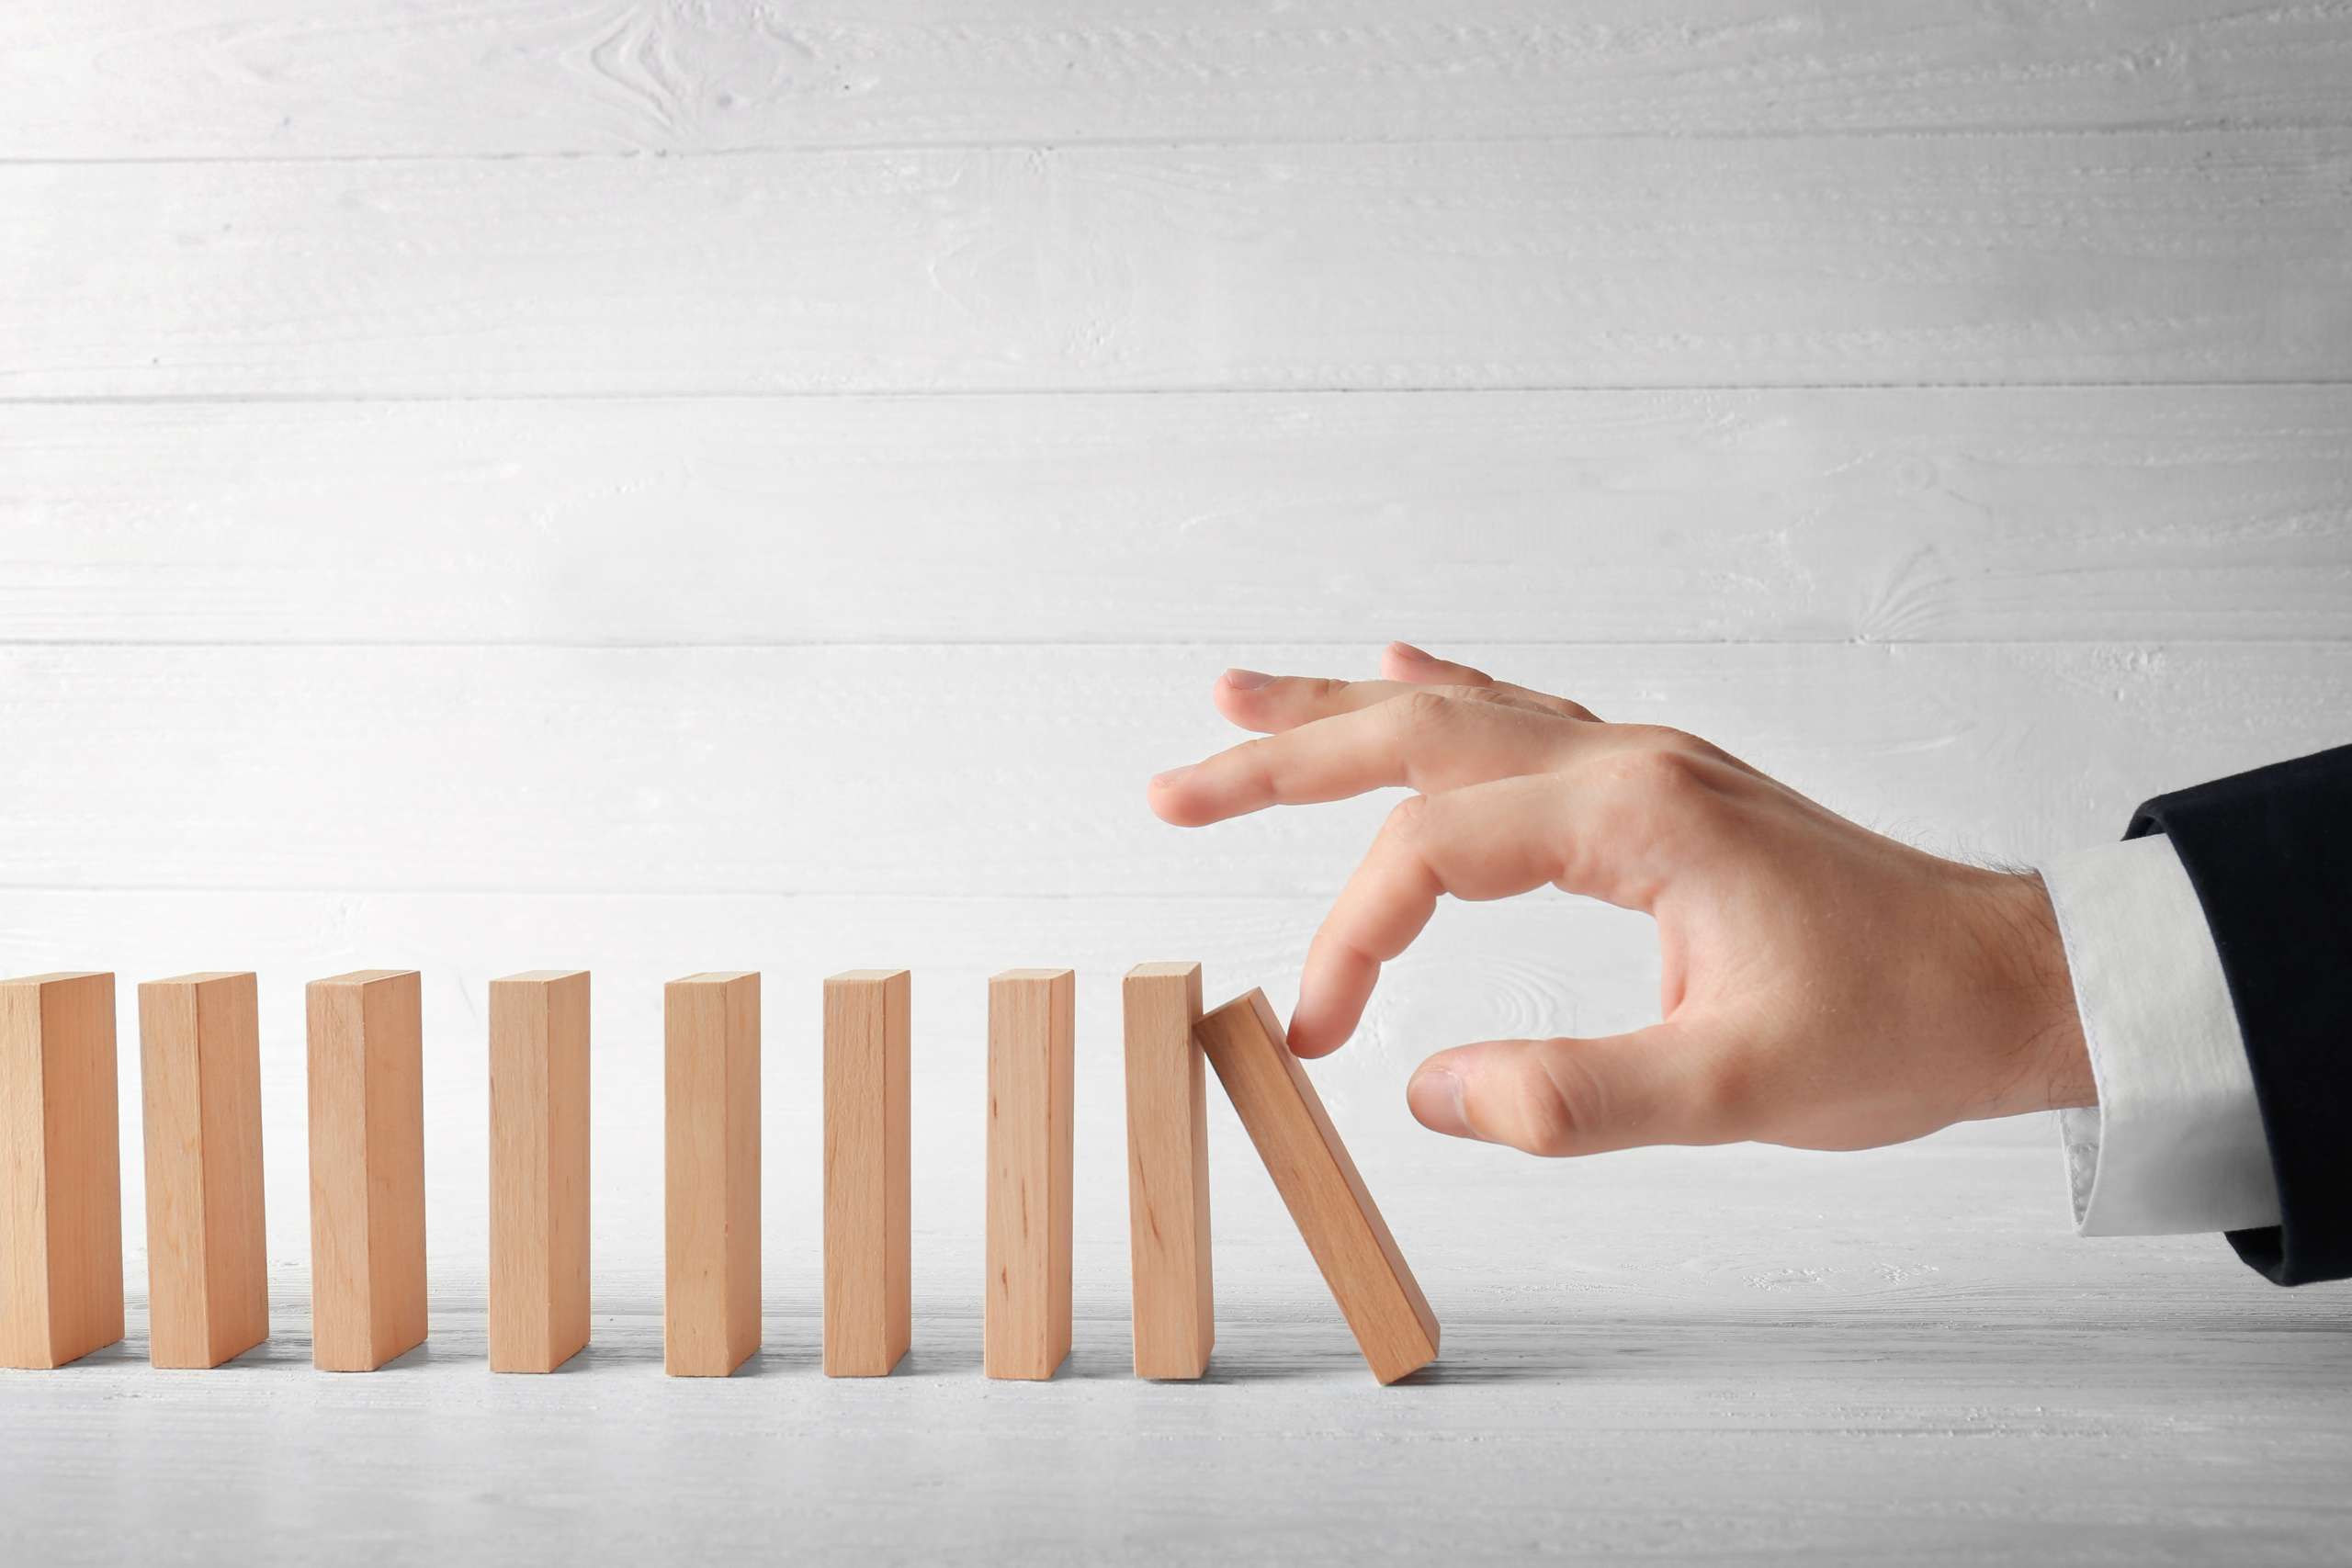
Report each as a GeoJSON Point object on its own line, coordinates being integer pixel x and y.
{"type": "Point", "coordinates": [2046, 1063]}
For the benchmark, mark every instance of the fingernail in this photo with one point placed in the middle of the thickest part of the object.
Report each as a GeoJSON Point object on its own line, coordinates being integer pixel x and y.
{"type": "Point", "coordinates": [1435, 1096]}
{"type": "Point", "coordinates": [1409, 651]}
{"type": "Point", "coordinates": [1161, 781]}
{"type": "Point", "coordinates": [1246, 680]}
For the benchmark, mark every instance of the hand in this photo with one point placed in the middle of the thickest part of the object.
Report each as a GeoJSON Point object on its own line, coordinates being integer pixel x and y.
{"type": "Point", "coordinates": [1823, 986]}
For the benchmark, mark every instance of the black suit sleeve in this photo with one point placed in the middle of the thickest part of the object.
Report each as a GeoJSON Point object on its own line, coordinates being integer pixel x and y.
{"type": "Point", "coordinates": [2270, 855]}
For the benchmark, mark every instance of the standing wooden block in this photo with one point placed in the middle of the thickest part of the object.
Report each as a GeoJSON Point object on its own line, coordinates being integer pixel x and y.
{"type": "Point", "coordinates": [61, 1170]}
{"type": "Point", "coordinates": [710, 1304]}
{"type": "Point", "coordinates": [538, 1170]}
{"type": "Point", "coordinates": [1377, 1294]}
{"type": "Point", "coordinates": [208, 1273]}
{"type": "Point", "coordinates": [1168, 1172]}
{"type": "Point", "coordinates": [367, 1168]}
{"type": "Point", "coordinates": [1032, 1019]}
{"type": "Point", "coordinates": [869, 1311]}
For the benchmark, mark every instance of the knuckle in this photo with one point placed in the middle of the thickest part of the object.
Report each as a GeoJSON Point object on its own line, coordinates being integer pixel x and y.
{"type": "Point", "coordinates": [1258, 756]}
{"type": "Point", "coordinates": [1658, 771]}
{"type": "Point", "coordinates": [1561, 1103]}
{"type": "Point", "coordinates": [1419, 714]}
{"type": "Point", "coordinates": [1407, 818]}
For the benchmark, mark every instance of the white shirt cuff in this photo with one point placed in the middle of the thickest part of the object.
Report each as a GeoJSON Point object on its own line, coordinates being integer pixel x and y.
{"type": "Point", "coordinates": [2175, 1145]}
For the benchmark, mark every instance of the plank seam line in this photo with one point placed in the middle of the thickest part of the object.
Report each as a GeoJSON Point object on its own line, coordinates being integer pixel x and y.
{"type": "Point", "coordinates": [273, 890]}
{"type": "Point", "coordinates": [2226, 128]}
{"type": "Point", "coordinates": [974, 394]}
{"type": "Point", "coordinates": [28, 645]}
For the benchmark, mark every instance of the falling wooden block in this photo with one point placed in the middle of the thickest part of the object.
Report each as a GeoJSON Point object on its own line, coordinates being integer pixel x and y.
{"type": "Point", "coordinates": [1168, 1172]}
{"type": "Point", "coordinates": [1032, 1015]}
{"type": "Point", "coordinates": [208, 1273]}
{"type": "Point", "coordinates": [710, 1303]}
{"type": "Point", "coordinates": [538, 1170]}
{"type": "Point", "coordinates": [1392, 1323]}
{"type": "Point", "coordinates": [61, 1170]}
{"type": "Point", "coordinates": [367, 1168]}
{"type": "Point", "coordinates": [869, 1315]}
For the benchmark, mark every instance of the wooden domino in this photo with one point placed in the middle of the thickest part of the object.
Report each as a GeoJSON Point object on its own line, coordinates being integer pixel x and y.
{"type": "Point", "coordinates": [710, 1303]}
{"type": "Point", "coordinates": [1168, 1172]}
{"type": "Point", "coordinates": [367, 1062]}
{"type": "Point", "coordinates": [538, 1170]}
{"type": "Point", "coordinates": [207, 1270]}
{"type": "Point", "coordinates": [869, 1315]}
{"type": "Point", "coordinates": [1026, 1319]}
{"type": "Point", "coordinates": [1376, 1291]}
{"type": "Point", "coordinates": [61, 1170]}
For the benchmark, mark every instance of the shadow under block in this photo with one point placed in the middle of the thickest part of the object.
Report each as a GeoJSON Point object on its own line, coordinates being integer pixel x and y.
{"type": "Point", "coordinates": [367, 1168]}
{"type": "Point", "coordinates": [61, 1170]}
{"type": "Point", "coordinates": [207, 1270]}
{"type": "Point", "coordinates": [1026, 1321]}
{"type": "Point", "coordinates": [710, 1300]}
{"type": "Point", "coordinates": [1377, 1294]}
{"type": "Point", "coordinates": [538, 1170]}
{"type": "Point", "coordinates": [1168, 1172]}
{"type": "Point", "coordinates": [869, 1309]}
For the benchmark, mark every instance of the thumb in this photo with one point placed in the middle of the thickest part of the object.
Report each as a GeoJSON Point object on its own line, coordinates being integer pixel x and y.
{"type": "Point", "coordinates": [1659, 1085]}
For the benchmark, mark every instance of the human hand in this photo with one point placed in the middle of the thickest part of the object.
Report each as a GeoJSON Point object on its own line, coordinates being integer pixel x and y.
{"type": "Point", "coordinates": [1823, 987]}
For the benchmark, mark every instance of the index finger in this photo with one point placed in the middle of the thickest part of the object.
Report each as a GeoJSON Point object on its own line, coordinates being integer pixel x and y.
{"type": "Point", "coordinates": [1272, 704]}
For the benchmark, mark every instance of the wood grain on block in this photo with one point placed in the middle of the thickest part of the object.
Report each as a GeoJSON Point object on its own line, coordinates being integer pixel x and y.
{"type": "Point", "coordinates": [1174, 1308]}
{"type": "Point", "coordinates": [366, 1065]}
{"type": "Point", "coordinates": [2214, 255]}
{"type": "Point", "coordinates": [1032, 1039]}
{"type": "Point", "coordinates": [869, 1315]}
{"type": "Point", "coordinates": [60, 1169]}
{"type": "Point", "coordinates": [1376, 1291]}
{"type": "Point", "coordinates": [538, 1170]}
{"type": "Point", "coordinates": [710, 1300]}
{"type": "Point", "coordinates": [208, 1267]}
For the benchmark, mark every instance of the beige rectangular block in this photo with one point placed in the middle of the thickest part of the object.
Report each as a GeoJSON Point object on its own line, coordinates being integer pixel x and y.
{"type": "Point", "coordinates": [710, 1303]}
{"type": "Point", "coordinates": [869, 1311]}
{"type": "Point", "coordinates": [207, 1270]}
{"type": "Point", "coordinates": [538, 1170]}
{"type": "Point", "coordinates": [1326, 1198]}
{"type": "Point", "coordinates": [1032, 1039]}
{"type": "Point", "coordinates": [1168, 1172]}
{"type": "Point", "coordinates": [61, 1170]}
{"type": "Point", "coordinates": [366, 1033]}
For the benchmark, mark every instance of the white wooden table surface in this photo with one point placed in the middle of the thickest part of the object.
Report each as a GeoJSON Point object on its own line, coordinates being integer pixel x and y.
{"type": "Point", "coordinates": [488, 484]}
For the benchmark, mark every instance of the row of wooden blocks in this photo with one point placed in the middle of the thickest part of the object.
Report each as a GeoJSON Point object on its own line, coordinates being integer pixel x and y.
{"type": "Point", "coordinates": [61, 1219]}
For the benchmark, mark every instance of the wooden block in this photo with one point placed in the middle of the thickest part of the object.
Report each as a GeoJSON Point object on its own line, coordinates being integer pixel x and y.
{"type": "Point", "coordinates": [1377, 1294]}
{"type": "Point", "coordinates": [61, 1170]}
{"type": "Point", "coordinates": [538, 1170]}
{"type": "Point", "coordinates": [1032, 1015]}
{"type": "Point", "coordinates": [710, 1303]}
{"type": "Point", "coordinates": [869, 1311]}
{"type": "Point", "coordinates": [367, 1168]}
{"type": "Point", "coordinates": [1168, 1172]}
{"type": "Point", "coordinates": [207, 1272]}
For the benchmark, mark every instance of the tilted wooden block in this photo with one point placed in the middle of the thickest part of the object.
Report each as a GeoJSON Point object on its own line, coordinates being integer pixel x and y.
{"type": "Point", "coordinates": [869, 1315]}
{"type": "Point", "coordinates": [367, 1168]}
{"type": "Point", "coordinates": [61, 1170]}
{"type": "Point", "coordinates": [1377, 1294]}
{"type": "Point", "coordinates": [710, 1303]}
{"type": "Point", "coordinates": [1168, 1172]}
{"type": "Point", "coordinates": [207, 1270]}
{"type": "Point", "coordinates": [1031, 1036]}
{"type": "Point", "coordinates": [538, 1170]}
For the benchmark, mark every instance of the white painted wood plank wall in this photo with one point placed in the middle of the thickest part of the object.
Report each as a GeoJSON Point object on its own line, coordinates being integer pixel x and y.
{"type": "Point", "coordinates": [660, 485]}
